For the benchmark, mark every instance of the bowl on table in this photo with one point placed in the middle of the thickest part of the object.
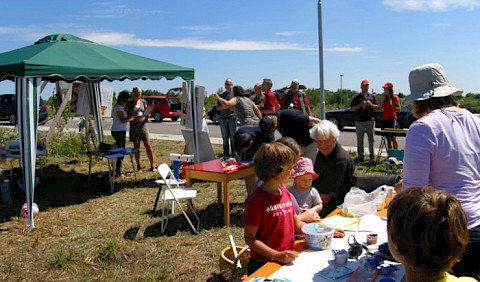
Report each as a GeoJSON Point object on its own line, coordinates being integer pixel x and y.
{"type": "Point", "coordinates": [318, 235]}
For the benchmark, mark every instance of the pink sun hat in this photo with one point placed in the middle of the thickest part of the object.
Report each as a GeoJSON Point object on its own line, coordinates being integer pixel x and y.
{"type": "Point", "coordinates": [304, 165]}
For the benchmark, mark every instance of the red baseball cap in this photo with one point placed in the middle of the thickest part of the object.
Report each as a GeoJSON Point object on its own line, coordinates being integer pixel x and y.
{"type": "Point", "coordinates": [364, 82]}
{"type": "Point", "coordinates": [388, 85]}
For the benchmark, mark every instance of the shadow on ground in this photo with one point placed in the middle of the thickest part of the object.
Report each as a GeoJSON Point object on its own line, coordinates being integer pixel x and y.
{"type": "Point", "coordinates": [59, 188]}
{"type": "Point", "coordinates": [210, 217]}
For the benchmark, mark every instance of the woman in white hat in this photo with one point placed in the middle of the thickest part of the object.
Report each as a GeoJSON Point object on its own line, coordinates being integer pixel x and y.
{"type": "Point", "coordinates": [442, 150]}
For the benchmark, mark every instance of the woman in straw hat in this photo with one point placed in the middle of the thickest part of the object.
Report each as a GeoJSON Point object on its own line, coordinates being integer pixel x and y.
{"type": "Point", "coordinates": [442, 151]}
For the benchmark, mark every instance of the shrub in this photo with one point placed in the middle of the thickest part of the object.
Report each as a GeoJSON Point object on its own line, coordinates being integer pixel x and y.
{"type": "Point", "coordinates": [66, 144]}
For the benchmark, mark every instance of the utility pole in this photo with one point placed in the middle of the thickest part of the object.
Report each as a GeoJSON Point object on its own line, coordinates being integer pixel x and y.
{"type": "Point", "coordinates": [341, 88]}
{"type": "Point", "coordinates": [320, 51]}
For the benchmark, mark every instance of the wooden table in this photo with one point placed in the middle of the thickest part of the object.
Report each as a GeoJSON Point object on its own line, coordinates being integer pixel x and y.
{"type": "Point", "coordinates": [270, 267]}
{"type": "Point", "coordinates": [214, 171]}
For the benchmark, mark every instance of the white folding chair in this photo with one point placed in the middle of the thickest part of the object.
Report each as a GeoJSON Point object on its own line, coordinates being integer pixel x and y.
{"type": "Point", "coordinates": [160, 183]}
{"type": "Point", "coordinates": [174, 193]}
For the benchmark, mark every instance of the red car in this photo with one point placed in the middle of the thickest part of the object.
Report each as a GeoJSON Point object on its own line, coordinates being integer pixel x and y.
{"type": "Point", "coordinates": [168, 106]}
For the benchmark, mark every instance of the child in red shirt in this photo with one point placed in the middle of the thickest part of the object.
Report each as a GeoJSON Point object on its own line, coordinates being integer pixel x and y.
{"type": "Point", "coordinates": [269, 217]}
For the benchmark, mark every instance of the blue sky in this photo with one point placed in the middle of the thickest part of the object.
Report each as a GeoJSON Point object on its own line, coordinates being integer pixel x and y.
{"type": "Point", "coordinates": [378, 40]}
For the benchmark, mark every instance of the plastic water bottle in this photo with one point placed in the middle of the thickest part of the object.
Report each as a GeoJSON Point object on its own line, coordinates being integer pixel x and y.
{"type": "Point", "coordinates": [389, 196]}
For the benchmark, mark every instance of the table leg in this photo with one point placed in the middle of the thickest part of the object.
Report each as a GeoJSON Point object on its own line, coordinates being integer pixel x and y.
{"type": "Point", "coordinates": [89, 168]}
{"type": "Point", "coordinates": [219, 193]}
{"type": "Point", "coordinates": [40, 160]}
{"type": "Point", "coordinates": [111, 173]}
{"type": "Point", "coordinates": [383, 144]}
{"type": "Point", "coordinates": [11, 171]}
{"type": "Point", "coordinates": [226, 203]}
{"type": "Point", "coordinates": [189, 180]}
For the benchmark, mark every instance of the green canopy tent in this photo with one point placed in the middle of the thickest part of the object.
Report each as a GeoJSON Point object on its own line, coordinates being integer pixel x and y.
{"type": "Point", "coordinates": [64, 57]}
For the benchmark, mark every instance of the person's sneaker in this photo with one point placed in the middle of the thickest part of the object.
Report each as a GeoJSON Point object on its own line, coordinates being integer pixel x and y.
{"type": "Point", "coordinates": [358, 160]}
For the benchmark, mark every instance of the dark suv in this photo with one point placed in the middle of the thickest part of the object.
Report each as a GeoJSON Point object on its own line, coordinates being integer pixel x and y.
{"type": "Point", "coordinates": [8, 109]}
{"type": "Point", "coordinates": [345, 117]}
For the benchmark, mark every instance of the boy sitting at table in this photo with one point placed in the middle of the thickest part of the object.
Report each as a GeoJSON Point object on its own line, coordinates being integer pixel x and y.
{"type": "Point", "coordinates": [427, 233]}
{"type": "Point", "coordinates": [269, 217]}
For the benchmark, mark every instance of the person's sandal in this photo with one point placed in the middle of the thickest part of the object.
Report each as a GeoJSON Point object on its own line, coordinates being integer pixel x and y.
{"type": "Point", "coordinates": [153, 168]}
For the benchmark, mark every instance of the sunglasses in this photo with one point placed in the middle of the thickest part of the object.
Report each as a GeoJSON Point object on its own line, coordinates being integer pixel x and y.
{"type": "Point", "coordinates": [228, 84]}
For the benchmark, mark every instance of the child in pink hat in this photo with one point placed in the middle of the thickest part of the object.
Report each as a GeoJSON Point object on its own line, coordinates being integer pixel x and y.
{"type": "Point", "coordinates": [306, 196]}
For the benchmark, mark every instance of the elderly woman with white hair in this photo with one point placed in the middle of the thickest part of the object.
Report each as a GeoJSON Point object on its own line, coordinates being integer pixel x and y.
{"type": "Point", "coordinates": [333, 165]}
{"type": "Point", "coordinates": [442, 150]}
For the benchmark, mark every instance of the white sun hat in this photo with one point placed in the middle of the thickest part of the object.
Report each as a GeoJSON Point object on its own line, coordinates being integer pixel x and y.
{"type": "Point", "coordinates": [429, 81]}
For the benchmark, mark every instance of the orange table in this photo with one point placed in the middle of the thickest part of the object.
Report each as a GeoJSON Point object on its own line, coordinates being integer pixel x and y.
{"type": "Point", "coordinates": [214, 171]}
{"type": "Point", "coordinates": [270, 267]}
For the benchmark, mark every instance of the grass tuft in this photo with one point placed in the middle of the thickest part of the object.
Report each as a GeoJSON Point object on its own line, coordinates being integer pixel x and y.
{"type": "Point", "coordinates": [109, 252]}
{"type": "Point", "coordinates": [159, 275]}
{"type": "Point", "coordinates": [60, 259]}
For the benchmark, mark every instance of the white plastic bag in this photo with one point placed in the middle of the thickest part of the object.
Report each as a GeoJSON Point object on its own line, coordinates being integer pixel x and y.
{"type": "Point", "coordinates": [358, 202]}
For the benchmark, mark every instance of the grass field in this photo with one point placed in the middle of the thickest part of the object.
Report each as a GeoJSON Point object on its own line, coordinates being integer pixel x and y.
{"type": "Point", "coordinates": [86, 233]}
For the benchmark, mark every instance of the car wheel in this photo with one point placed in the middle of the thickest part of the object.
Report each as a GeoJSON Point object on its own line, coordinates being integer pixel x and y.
{"type": "Point", "coordinates": [335, 121]}
{"type": "Point", "coordinates": [175, 118]}
{"type": "Point", "coordinates": [12, 119]}
{"type": "Point", "coordinates": [157, 117]}
{"type": "Point", "coordinates": [215, 119]}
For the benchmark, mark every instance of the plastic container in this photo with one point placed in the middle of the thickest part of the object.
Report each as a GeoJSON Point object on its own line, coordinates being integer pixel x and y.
{"type": "Point", "coordinates": [318, 236]}
{"type": "Point", "coordinates": [6, 193]}
{"type": "Point", "coordinates": [21, 183]}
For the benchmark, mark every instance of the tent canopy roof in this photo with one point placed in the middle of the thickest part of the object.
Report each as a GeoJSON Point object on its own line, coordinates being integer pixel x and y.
{"type": "Point", "coordinates": [67, 57]}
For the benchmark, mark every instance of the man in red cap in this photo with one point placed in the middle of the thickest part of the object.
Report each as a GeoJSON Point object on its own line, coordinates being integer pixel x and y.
{"type": "Point", "coordinates": [363, 104]}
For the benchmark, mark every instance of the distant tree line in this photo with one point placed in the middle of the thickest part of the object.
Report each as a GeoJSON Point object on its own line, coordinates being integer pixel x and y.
{"type": "Point", "coordinates": [339, 99]}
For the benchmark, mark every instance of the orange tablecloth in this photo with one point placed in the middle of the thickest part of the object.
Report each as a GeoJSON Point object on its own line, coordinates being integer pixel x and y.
{"type": "Point", "coordinates": [214, 171]}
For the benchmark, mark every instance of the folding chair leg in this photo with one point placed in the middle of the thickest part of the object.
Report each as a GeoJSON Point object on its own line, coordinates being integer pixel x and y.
{"type": "Point", "coordinates": [196, 216]}
{"type": "Point", "coordinates": [156, 198]}
{"type": "Point", "coordinates": [165, 220]}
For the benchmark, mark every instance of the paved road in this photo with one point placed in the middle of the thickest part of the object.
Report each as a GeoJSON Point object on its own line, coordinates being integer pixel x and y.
{"type": "Point", "coordinates": [347, 136]}
{"type": "Point", "coordinates": [168, 128]}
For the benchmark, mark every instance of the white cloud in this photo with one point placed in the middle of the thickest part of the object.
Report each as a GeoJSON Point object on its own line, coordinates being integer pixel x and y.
{"type": "Point", "coordinates": [288, 33]}
{"type": "Point", "coordinates": [344, 49]}
{"type": "Point", "coordinates": [193, 43]}
{"type": "Point", "coordinates": [32, 34]}
{"type": "Point", "coordinates": [112, 10]}
{"type": "Point", "coordinates": [431, 5]}
{"type": "Point", "coordinates": [441, 25]}
{"type": "Point", "coordinates": [202, 28]}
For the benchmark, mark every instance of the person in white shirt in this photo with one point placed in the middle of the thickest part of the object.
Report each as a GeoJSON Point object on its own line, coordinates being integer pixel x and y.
{"type": "Point", "coordinates": [119, 127]}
